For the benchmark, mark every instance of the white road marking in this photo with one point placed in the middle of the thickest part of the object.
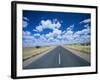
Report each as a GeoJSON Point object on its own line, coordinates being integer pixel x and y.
{"type": "Point", "coordinates": [33, 59]}
{"type": "Point", "coordinates": [59, 58]}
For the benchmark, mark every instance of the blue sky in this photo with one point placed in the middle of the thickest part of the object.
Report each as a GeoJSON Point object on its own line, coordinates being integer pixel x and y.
{"type": "Point", "coordinates": [42, 28]}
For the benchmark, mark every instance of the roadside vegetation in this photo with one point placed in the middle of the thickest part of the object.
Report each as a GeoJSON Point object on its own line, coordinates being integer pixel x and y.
{"type": "Point", "coordinates": [80, 47]}
{"type": "Point", "coordinates": [33, 51]}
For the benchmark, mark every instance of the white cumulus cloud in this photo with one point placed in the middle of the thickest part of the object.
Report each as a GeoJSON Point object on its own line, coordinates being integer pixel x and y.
{"type": "Point", "coordinates": [47, 24]}
{"type": "Point", "coordinates": [25, 22]}
{"type": "Point", "coordinates": [39, 28]}
{"type": "Point", "coordinates": [70, 27]}
{"type": "Point", "coordinates": [37, 34]}
{"type": "Point", "coordinates": [25, 33]}
{"type": "Point", "coordinates": [56, 36]}
{"type": "Point", "coordinates": [86, 21]}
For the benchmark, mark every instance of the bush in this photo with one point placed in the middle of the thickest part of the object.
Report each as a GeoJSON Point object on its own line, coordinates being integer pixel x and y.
{"type": "Point", "coordinates": [37, 46]}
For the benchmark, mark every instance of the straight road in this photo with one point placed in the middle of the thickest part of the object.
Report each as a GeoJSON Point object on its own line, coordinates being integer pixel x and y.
{"type": "Point", "coordinates": [58, 57]}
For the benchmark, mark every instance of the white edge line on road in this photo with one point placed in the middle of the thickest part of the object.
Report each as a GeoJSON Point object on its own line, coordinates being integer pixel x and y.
{"type": "Point", "coordinates": [29, 61]}
{"type": "Point", "coordinates": [59, 58]}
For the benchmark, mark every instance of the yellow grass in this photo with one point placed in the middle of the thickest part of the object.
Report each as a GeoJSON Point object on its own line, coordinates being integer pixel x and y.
{"type": "Point", "coordinates": [81, 48]}
{"type": "Point", "coordinates": [30, 52]}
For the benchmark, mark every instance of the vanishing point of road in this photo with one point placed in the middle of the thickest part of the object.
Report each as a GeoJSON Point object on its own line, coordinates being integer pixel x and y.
{"type": "Point", "coordinates": [58, 57]}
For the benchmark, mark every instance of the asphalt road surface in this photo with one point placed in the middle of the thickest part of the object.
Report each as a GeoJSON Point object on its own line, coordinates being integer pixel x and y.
{"type": "Point", "coordinates": [58, 57]}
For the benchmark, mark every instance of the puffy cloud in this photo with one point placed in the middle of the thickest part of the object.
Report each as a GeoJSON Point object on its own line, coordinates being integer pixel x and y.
{"type": "Point", "coordinates": [42, 38]}
{"type": "Point", "coordinates": [55, 20]}
{"type": "Point", "coordinates": [51, 39]}
{"type": "Point", "coordinates": [57, 25]}
{"type": "Point", "coordinates": [70, 27]}
{"type": "Point", "coordinates": [47, 24]}
{"type": "Point", "coordinates": [59, 37]}
{"type": "Point", "coordinates": [80, 36]}
{"type": "Point", "coordinates": [25, 18]}
{"type": "Point", "coordinates": [50, 34]}
{"type": "Point", "coordinates": [25, 22]}
{"type": "Point", "coordinates": [86, 21]}
{"type": "Point", "coordinates": [29, 37]}
{"type": "Point", "coordinates": [68, 36]}
{"type": "Point", "coordinates": [69, 33]}
{"type": "Point", "coordinates": [87, 26]}
{"type": "Point", "coordinates": [37, 34]}
{"type": "Point", "coordinates": [28, 43]}
{"type": "Point", "coordinates": [35, 30]}
{"type": "Point", "coordinates": [28, 40]}
{"type": "Point", "coordinates": [39, 28]}
{"type": "Point", "coordinates": [84, 31]}
{"type": "Point", "coordinates": [56, 36]}
{"type": "Point", "coordinates": [55, 33]}
{"type": "Point", "coordinates": [25, 33]}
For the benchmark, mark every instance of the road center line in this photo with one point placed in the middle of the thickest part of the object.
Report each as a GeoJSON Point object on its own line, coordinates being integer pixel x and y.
{"type": "Point", "coordinates": [59, 58]}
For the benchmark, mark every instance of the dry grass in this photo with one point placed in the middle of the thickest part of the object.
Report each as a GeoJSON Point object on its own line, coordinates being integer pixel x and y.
{"type": "Point", "coordinates": [81, 48]}
{"type": "Point", "coordinates": [30, 52]}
